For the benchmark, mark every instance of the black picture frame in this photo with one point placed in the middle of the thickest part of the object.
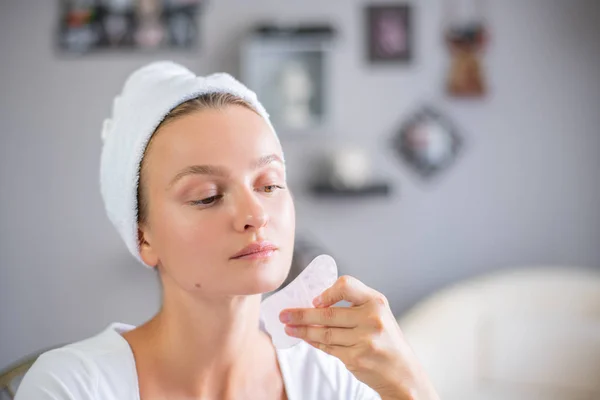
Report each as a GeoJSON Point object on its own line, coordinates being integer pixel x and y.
{"type": "Point", "coordinates": [389, 33]}
{"type": "Point", "coordinates": [428, 142]}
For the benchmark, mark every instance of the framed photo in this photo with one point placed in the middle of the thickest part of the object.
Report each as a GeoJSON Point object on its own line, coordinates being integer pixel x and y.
{"type": "Point", "coordinates": [289, 69]}
{"type": "Point", "coordinates": [389, 33]}
{"type": "Point", "coordinates": [87, 26]}
{"type": "Point", "coordinates": [428, 142]}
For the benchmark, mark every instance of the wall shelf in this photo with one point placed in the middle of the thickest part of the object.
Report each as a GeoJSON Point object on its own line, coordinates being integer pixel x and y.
{"type": "Point", "coordinates": [376, 189]}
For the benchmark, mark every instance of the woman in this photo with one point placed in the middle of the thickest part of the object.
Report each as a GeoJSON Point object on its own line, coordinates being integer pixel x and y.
{"type": "Point", "coordinates": [193, 177]}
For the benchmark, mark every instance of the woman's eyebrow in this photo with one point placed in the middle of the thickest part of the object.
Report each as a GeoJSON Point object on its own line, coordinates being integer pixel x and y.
{"type": "Point", "coordinates": [265, 160]}
{"type": "Point", "coordinates": [216, 170]}
{"type": "Point", "coordinates": [199, 170]}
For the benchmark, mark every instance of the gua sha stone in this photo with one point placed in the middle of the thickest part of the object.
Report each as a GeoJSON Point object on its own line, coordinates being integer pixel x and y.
{"type": "Point", "coordinates": [319, 275]}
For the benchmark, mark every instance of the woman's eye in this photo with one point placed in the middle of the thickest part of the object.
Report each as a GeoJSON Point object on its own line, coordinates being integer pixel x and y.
{"type": "Point", "coordinates": [272, 188]}
{"type": "Point", "coordinates": [207, 201]}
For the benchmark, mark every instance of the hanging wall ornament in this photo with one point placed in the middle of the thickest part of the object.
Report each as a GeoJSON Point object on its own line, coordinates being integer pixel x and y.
{"type": "Point", "coordinates": [466, 36]}
{"type": "Point", "coordinates": [428, 142]}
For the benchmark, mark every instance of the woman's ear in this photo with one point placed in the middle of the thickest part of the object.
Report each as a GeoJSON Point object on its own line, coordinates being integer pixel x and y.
{"type": "Point", "coordinates": [147, 252]}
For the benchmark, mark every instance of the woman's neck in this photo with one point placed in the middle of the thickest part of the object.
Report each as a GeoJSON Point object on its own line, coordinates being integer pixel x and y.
{"type": "Point", "coordinates": [219, 330]}
{"type": "Point", "coordinates": [204, 349]}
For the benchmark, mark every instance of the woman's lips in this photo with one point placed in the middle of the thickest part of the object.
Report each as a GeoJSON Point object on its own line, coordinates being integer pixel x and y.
{"type": "Point", "coordinates": [256, 250]}
{"type": "Point", "coordinates": [259, 254]}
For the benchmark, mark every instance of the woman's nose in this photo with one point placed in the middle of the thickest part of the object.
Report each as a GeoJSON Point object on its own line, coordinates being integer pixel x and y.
{"type": "Point", "coordinates": [250, 213]}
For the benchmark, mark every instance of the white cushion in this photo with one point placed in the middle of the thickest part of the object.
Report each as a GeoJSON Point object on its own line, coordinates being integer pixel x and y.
{"type": "Point", "coordinates": [524, 333]}
{"type": "Point", "coordinates": [542, 351]}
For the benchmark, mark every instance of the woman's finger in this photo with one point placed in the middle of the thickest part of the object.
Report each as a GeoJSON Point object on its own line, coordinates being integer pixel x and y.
{"type": "Point", "coordinates": [345, 288]}
{"type": "Point", "coordinates": [325, 335]}
{"type": "Point", "coordinates": [341, 317]}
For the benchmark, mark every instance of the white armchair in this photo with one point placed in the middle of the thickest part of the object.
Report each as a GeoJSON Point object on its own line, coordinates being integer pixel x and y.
{"type": "Point", "coordinates": [522, 334]}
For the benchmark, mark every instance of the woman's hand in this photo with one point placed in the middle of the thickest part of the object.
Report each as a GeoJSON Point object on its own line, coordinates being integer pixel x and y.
{"type": "Point", "coordinates": [365, 337]}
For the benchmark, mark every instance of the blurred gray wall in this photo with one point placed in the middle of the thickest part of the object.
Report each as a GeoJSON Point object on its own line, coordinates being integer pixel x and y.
{"type": "Point", "coordinates": [525, 192]}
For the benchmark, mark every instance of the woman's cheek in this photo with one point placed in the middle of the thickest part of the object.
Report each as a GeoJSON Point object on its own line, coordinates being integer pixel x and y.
{"type": "Point", "coordinates": [286, 213]}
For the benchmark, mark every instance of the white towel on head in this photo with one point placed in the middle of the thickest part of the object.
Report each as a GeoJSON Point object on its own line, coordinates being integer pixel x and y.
{"type": "Point", "coordinates": [148, 95]}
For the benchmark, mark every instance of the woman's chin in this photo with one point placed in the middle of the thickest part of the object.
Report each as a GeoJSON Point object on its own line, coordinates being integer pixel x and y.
{"type": "Point", "coordinates": [265, 281]}
{"type": "Point", "coordinates": [266, 284]}
{"type": "Point", "coordinates": [263, 274]}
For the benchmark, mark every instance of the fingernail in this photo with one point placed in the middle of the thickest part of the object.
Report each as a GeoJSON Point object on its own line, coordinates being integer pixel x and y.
{"type": "Point", "coordinates": [285, 317]}
{"type": "Point", "coordinates": [317, 301]}
{"type": "Point", "coordinates": [290, 330]}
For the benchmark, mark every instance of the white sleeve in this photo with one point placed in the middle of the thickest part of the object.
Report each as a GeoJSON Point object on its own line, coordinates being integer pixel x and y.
{"type": "Point", "coordinates": [362, 391]}
{"type": "Point", "coordinates": [316, 375]}
{"type": "Point", "coordinates": [59, 374]}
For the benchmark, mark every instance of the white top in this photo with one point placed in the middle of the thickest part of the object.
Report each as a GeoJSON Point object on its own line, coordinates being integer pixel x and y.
{"type": "Point", "coordinates": [103, 367]}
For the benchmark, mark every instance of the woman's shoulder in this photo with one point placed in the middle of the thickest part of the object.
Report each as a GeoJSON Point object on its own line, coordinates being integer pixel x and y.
{"type": "Point", "coordinates": [92, 368]}
{"type": "Point", "coordinates": [313, 373]}
{"type": "Point", "coordinates": [58, 374]}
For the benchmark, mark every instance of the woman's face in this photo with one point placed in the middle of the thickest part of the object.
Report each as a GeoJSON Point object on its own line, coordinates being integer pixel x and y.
{"type": "Point", "coordinates": [215, 183]}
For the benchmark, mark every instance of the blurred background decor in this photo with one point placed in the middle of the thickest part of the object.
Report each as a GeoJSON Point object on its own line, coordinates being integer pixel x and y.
{"type": "Point", "coordinates": [91, 25]}
{"type": "Point", "coordinates": [428, 142]}
{"type": "Point", "coordinates": [347, 170]}
{"type": "Point", "coordinates": [467, 35]}
{"type": "Point", "coordinates": [288, 68]}
{"type": "Point", "coordinates": [389, 32]}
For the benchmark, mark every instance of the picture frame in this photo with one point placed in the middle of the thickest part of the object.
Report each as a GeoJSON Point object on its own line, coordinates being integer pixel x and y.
{"type": "Point", "coordinates": [90, 26]}
{"type": "Point", "coordinates": [289, 68]}
{"type": "Point", "coordinates": [389, 33]}
{"type": "Point", "coordinates": [428, 142]}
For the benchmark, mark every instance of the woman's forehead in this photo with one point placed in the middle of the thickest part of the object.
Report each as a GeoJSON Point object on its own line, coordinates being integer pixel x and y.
{"type": "Point", "coordinates": [231, 137]}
